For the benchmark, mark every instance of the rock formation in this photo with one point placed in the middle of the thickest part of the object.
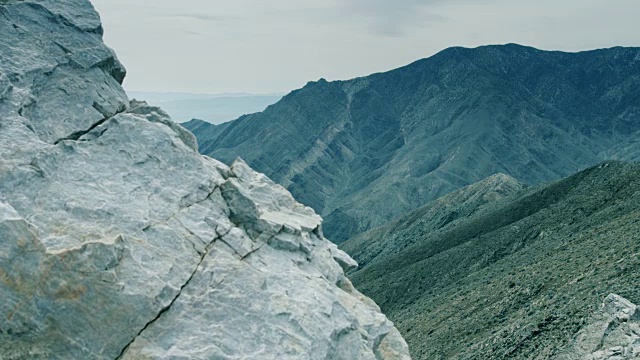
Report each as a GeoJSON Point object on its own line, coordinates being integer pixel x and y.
{"type": "Point", "coordinates": [119, 241]}
{"type": "Point", "coordinates": [613, 334]}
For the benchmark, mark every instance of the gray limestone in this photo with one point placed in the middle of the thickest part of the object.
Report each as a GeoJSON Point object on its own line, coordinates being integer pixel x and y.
{"type": "Point", "coordinates": [118, 240]}
{"type": "Point", "coordinates": [612, 334]}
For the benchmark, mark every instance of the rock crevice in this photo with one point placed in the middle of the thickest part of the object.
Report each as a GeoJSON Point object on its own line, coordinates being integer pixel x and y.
{"type": "Point", "coordinates": [166, 308]}
{"type": "Point", "coordinates": [75, 136]}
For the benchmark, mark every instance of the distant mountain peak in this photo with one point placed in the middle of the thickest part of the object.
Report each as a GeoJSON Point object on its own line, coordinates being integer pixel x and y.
{"type": "Point", "coordinates": [364, 151]}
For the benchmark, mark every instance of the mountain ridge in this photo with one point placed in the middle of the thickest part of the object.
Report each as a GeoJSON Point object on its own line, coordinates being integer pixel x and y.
{"type": "Point", "coordinates": [437, 215]}
{"type": "Point", "coordinates": [393, 141]}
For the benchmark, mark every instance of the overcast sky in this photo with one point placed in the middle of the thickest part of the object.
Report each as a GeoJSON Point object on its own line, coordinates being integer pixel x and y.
{"type": "Point", "coordinates": [260, 46]}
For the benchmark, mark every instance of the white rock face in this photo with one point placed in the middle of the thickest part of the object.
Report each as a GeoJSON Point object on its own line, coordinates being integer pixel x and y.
{"type": "Point", "coordinates": [613, 333]}
{"type": "Point", "coordinates": [119, 241]}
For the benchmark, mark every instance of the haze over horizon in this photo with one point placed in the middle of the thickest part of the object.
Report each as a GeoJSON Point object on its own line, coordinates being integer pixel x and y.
{"type": "Point", "coordinates": [198, 46]}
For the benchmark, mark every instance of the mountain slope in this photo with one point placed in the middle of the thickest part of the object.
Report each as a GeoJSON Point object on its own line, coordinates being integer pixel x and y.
{"type": "Point", "coordinates": [518, 278]}
{"type": "Point", "coordinates": [435, 217]}
{"type": "Point", "coordinates": [363, 151]}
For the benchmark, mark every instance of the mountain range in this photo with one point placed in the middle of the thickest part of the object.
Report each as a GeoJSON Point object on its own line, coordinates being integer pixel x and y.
{"type": "Point", "coordinates": [474, 189]}
{"type": "Point", "coordinates": [365, 151]}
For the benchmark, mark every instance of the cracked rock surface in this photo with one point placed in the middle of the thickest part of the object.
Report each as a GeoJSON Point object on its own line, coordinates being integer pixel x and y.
{"type": "Point", "coordinates": [119, 241]}
{"type": "Point", "coordinates": [612, 334]}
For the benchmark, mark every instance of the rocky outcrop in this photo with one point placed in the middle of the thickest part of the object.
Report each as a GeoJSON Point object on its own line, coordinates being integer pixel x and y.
{"type": "Point", "coordinates": [613, 333]}
{"type": "Point", "coordinates": [119, 241]}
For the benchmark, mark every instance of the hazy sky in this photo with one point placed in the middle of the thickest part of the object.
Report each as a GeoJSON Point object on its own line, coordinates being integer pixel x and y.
{"type": "Point", "coordinates": [261, 46]}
